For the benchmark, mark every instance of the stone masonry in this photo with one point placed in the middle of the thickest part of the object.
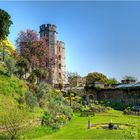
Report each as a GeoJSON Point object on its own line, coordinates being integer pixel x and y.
{"type": "Point", "coordinates": [56, 53]}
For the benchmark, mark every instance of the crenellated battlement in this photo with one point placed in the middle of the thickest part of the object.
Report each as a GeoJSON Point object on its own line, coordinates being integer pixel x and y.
{"type": "Point", "coordinates": [49, 27]}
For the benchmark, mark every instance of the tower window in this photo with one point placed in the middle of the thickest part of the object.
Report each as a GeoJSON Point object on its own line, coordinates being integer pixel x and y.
{"type": "Point", "coordinates": [59, 57]}
{"type": "Point", "coordinates": [59, 66]}
{"type": "Point", "coordinates": [59, 49]}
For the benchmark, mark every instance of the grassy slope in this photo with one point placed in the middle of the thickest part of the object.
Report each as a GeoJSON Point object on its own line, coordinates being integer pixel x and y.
{"type": "Point", "coordinates": [11, 86]}
{"type": "Point", "coordinates": [77, 128]}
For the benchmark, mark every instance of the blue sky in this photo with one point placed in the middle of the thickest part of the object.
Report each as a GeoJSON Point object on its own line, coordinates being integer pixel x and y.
{"type": "Point", "coordinates": [99, 36]}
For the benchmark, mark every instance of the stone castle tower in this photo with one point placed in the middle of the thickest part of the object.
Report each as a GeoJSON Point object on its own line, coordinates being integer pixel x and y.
{"type": "Point", "coordinates": [56, 53]}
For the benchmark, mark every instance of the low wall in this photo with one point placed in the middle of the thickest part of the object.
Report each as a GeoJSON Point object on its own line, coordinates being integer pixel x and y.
{"type": "Point", "coordinates": [125, 96]}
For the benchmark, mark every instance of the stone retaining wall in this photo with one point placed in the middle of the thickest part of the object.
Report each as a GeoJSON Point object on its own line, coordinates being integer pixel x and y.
{"type": "Point", "coordinates": [125, 96]}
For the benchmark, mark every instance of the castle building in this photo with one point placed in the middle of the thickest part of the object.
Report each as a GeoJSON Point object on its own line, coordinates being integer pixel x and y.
{"type": "Point", "coordinates": [56, 54]}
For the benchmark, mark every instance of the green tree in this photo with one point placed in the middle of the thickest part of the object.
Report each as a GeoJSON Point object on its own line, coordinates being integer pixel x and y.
{"type": "Point", "coordinates": [5, 23]}
{"type": "Point", "coordinates": [22, 66]}
{"type": "Point", "coordinates": [12, 119]}
{"type": "Point", "coordinates": [95, 77]}
{"type": "Point", "coordinates": [128, 77]}
{"type": "Point", "coordinates": [41, 74]}
{"type": "Point", "coordinates": [111, 81]}
{"type": "Point", "coordinates": [72, 78]}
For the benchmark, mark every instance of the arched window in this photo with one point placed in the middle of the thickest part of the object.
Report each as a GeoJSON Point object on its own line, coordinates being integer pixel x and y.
{"type": "Point", "coordinates": [59, 66]}
{"type": "Point", "coordinates": [59, 57]}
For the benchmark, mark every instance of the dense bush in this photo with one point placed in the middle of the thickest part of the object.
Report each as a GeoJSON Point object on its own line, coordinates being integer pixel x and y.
{"type": "Point", "coordinates": [128, 110]}
{"type": "Point", "coordinates": [32, 78]}
{"type": "Point", "coordinates": [57, 112]}
{"type": "Point", "coordinates": [97, 108]}
{"type": "Point", "coordinates": [115, 105]}
{"type": "Point", "coordinates": [10, 66]}
{"type": "Point", "coordinates": [93, 108]}
{"type": "Point", "coordinates": [75, 103]}
{"type": "Point", "coordinates": [73, 100]}
{"type": "Point", "coordinates": [31, 100]}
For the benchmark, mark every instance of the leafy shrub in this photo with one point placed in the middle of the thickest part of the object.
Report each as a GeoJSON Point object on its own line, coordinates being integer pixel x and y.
{"type": "Point", "coordinates": [32, 78]}
{"type": "Point", "coordinates": [10, 66]}
{"type": "Point", "coordinates": [127, 110]}
{"type": "Point", "coordinates": [57, 112]}
{"type": "Point", "coordinates": [97, 108]}
{"type": "Point", "coordinates": [115, 105]}
{"type": "Point", "coordinates": [31, 100]}
{"type": "Point", "coordinates": [110, 125]}
{"type": "Point", "coordinates": [93, 108]}
{"type": "Point", "coordinates": [74, 101]}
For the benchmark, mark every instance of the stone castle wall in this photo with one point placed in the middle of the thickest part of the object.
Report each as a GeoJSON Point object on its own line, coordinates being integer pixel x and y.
{"type": "Point", "coordinates": [125, 96]}
{"type": "Point", "coordinates": [56, 53]}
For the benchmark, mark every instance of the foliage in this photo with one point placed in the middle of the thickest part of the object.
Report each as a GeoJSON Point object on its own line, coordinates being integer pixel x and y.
{"type": "Point", "coordinates": [127, 77]}
{"type": "Point", "coordinates": [10, 65]}
{"type": "Point", "coordinates": [11, 86]}
{"type": "Point", "coordinates": [22, 67]}
{"type": "Point", "coordinates": [115, 105]}
{"type": "Point", "coordinates": [32, 78]}
{"type": "Point", "coordinates": [12, 118]}
{"type": "Point", "coordinates": [127, 110]}
{"type": "Point", "coordinates": [41, 74]}
{"type": "Point", "coordinates": [60, 86]}
{"type": "Point", "coordinates": [5, 22]}
{"type": "Point", "coordinates": [6, 48]}
{"type": "Point", "coordinates": [95, 77]}
{"type": "Point", "coordinates": [77, 127]}
{"type": "Point", "coordinates": [97, 108]}
{"type": "Point", "coordinates": [41, 94]}
{"type": "Point", "coordinates": [72, 78]}
{"type": "Point", "coordinates": [110, 125]}
{"type": "Point", "coordinates": [94, 108]}
{"type": "Point", "coordinates": [76, 103]}
{"type": "Point", "coordinates": [111, 81]}
{"type": "Point", "coordinates": [73, 100]}
{"type": "Point", "coordinates": [57, 112]}
{"type": "Point", "coordinates": [31, 100]}
{"type": "Point", "coordinates": [42, 91]}
{"type": "Point", "coordinates": [32, 48]}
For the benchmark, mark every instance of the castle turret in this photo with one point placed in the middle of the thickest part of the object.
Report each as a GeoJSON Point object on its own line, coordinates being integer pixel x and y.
{"type": "Point", "coordinates": [56, 53]}
{"type": "Point", "coordinates": [61, 61]}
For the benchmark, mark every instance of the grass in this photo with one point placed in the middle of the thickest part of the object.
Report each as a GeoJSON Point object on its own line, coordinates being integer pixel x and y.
{"type": "Point", "coordinates": [11, 86]}
{"type": "Point", "coordinates": [77, 128]}
{"type": "Point", "coordinates": [37, 132]}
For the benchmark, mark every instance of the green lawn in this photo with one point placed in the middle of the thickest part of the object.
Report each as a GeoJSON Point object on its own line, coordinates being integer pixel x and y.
{"type": "Point", "coordinates": [77, 128]}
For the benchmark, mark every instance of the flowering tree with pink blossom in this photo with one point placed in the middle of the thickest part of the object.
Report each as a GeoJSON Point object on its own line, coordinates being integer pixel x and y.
{"type": "Point", "coordinates": [33, 49]}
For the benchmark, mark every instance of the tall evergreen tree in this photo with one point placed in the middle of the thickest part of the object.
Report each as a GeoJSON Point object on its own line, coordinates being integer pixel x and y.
{"type": "Point", "coordinates": [5, 23]}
